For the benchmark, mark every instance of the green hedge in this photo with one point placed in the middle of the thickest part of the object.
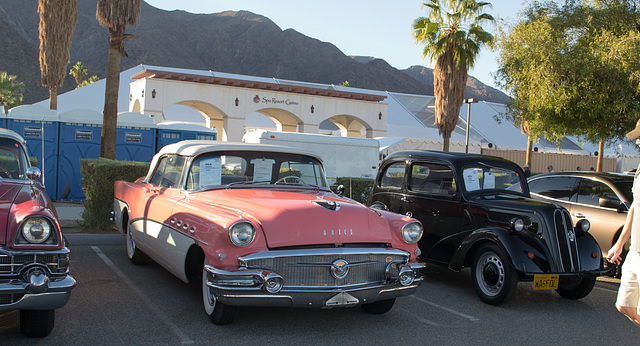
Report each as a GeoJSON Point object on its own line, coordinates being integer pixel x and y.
{"type": "Point", "coordinates": [357, 189]}
{"type": "Point", "coordinates": [98, 177]}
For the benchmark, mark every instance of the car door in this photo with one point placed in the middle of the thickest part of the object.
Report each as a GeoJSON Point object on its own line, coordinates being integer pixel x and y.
{"type": "Point", "coordinates": [432, 197]}
{"type": "Point", "coordinates": [605, 221]}
{"type": "Point", "coordinates": [390, 187]}
{"type": "Point", "coordinates": [159, 196]}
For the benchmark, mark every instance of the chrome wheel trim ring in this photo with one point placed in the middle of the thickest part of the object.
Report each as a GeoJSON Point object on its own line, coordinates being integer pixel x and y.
{"type": "Point", "coordinates": [490, 259]}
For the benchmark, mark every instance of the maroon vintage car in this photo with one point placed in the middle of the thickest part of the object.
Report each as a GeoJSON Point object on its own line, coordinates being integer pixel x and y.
{"type": "Point", "coordinates": [34, 263]}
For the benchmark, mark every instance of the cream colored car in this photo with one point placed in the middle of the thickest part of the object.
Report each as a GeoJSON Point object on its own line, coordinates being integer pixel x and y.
{"type": "Point", "coordinates": [602, 198]}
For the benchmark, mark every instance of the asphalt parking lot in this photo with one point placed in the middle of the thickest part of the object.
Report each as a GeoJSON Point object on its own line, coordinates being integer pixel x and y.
{"type": "Point", "coordinates": [116, 302]}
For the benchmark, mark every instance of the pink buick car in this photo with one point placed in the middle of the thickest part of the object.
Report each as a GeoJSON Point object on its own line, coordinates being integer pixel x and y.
{"type": "Point", "coordinates": [259, 226]}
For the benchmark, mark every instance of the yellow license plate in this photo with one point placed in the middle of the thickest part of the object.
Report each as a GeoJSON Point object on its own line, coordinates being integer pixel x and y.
{"type": "Point", "coordinates": [545, 281]}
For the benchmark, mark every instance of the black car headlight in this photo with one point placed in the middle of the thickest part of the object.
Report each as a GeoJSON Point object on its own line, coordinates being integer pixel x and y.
{"type": "Point", "coordinates": [242, 233]}
{"type": "Point", "coordinates": [583, 225]}
{"type": "Point", "coordinates": [412, 232]}
{"type": "Point", "coordinates": [517, 224]}
{"type": "Point", "coordinates": [35, 230]}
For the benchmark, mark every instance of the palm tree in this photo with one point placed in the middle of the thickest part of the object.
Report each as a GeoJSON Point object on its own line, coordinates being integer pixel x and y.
{"type": "Point", "coordinates": [453, 37]}
{"type": "Point", "coordinates": [78, 71]}
{"type": "Point", "coordinates": [10, 91]}
{"type": "Point", "coordinates": [115, 15]}
{"type": "Point", "coordinates": [57, 22]}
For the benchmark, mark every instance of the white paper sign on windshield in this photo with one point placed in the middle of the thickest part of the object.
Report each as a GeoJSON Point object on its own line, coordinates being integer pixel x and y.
{"type": "Point", "coordinates": [210, 172]}
{"type": "Point", "coordinates": [489, 181]}
{"type": "Point", "coordinates": [262, 169]}
{"type": "Point", "coordinates": [471, 179]}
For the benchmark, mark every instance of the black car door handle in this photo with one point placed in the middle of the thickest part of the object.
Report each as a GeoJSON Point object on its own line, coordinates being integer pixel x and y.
{"type": "Point", "coordinates": [405, 200]}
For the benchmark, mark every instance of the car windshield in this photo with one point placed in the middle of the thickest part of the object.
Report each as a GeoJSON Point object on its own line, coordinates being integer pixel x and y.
{"type": "Point", "coordinates": [484, 178]}
{"type": "Point", "coordinates": [245, 168]}
{"type": "Point", "coordinates": [13, 160]}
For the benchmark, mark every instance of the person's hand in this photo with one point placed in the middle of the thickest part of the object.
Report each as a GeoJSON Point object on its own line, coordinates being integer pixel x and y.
{"type": "Point", "coordinates": [614, 253]}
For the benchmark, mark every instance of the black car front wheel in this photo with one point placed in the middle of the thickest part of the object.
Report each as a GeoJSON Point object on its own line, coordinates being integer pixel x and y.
{"type": "Point", "coordinates": [576, 289]}
{"type": "Point", "coordinates": [494, 279]}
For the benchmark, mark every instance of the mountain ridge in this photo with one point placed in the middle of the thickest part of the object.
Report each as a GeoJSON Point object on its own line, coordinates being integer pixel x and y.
{"type": "Point", "coordinates": [239, 42]}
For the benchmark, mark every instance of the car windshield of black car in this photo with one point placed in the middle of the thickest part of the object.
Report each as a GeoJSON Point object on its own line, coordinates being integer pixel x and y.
{"type": "Point", "coordinates": [480, 178]}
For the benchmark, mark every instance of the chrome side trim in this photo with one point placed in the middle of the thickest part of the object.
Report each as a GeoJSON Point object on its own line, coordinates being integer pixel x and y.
{"type": "Point", "coordinates": [320, 252]}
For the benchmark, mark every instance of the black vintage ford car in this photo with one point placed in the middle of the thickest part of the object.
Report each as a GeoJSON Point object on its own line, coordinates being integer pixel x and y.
{"type": "Point", "coordinates": [477, 212]}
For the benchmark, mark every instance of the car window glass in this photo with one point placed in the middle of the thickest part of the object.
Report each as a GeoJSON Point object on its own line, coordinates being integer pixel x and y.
{"type": "Point", "coordinates": [590, 192]}
{"type": "Point", "coordinates": [294, 172]}
{"type": "Point", "coordinates": [13, 162]}
{"type": "Point", "coordinates": [264, 168]}
{"type": "Point", "coordinates": [625, 188]}
{"type": "Point", "coordinates": [168, 172]}
{"type": "Point", "coordinates": [213, 170]}
{"type": "Point", "coordinates": [483, 177]}
{"type": "Point", "coordinates": [393, 176]}
{"type": "Point", "coordinates": [559, 188]}
{"type": "Point", "coordinates": [432, 179]}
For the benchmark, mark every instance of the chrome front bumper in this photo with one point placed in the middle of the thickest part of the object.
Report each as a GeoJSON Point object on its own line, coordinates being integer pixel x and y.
{"type": "Point", "coordinates": [257, 287]}
{"type": "Point", "coordinates": [37, 294]}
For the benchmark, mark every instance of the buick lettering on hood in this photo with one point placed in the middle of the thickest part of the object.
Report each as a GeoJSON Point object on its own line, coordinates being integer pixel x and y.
{"type": "Point", "coordinates": [257, 225]}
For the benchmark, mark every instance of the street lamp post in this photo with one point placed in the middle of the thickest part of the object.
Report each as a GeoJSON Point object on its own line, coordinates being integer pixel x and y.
{"type": "Point", "coordinates": [468, 101]}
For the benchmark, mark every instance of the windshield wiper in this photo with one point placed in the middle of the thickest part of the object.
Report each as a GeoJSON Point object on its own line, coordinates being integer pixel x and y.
{"type": "Point", "coordinates": [252, 182]}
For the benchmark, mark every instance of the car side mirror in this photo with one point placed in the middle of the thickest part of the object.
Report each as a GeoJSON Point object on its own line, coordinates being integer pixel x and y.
{"type": "Point", "coordinates": [33, 173]}
{"type": "Point", "coordinates": [611, 203]}
{"type": "Point", "coordinates": [340, 190]}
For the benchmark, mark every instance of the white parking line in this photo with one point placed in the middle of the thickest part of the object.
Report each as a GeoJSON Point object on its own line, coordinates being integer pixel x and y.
{"type": "Point", "coordinates": [158, 313]}
{"type": "Point", "coordinates": [470, 318]}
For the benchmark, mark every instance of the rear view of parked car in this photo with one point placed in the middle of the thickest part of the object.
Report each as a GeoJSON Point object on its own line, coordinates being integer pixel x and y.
{"type": "Point", "coordinates": [602, 198]}
{"type": "Point", "coordinates": [257, 225]}
{"type": "Point", "coordinates": [477, 212]}
{"type": "Point", "coordinates": [34, 263]}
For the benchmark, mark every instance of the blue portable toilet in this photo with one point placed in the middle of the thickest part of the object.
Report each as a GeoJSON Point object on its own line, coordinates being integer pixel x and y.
{"type": "Point", "coordinates": [135, 137]}
{"type": "Point", "coordinates": [80, 136]}
{"type": "Point", "coordinates": [176, 131]}
{"type": "Point", "coordinates": [39, 126]}
{"type": "Point", "coordinates": [3, 117]}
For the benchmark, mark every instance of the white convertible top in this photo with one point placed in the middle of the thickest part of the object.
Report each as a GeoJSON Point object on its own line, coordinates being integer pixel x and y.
{"type": "Point", "coordinates": [197, 147]}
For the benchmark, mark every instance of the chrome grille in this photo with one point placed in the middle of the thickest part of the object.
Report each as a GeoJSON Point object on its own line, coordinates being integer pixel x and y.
{"type": "Point", "coordinates": [315, 270]}
{"type": "Point", "coordinates": [568, 249]}
{"type": "Point", "coordinates": [11, 265]}
{"type": "Point", "coordinates": [6, 299]}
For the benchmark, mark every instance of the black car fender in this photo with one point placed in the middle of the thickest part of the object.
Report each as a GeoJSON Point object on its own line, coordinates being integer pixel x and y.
{"type": "Point", "coordinates": [516, 245]}
{"type": "Point", "coordinates": [590, 252]}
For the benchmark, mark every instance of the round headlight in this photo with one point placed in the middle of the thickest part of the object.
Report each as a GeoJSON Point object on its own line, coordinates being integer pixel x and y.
{"type": "Point", "coordinates": [36, 230]}
{"type": "Point", "coordinates": [583, 225]}
{"type": "Point", "coordinates": [517, 224]}
{"type": "Point", "coordinates": [412, 232]}
{"type": "Point", "coordinates": [242, 233]}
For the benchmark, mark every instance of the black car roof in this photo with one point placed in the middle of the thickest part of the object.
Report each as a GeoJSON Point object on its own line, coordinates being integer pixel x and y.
{"type": "Point", "coordinates": [454, 157]}
{"type": "Point", "coordinates": [613, 177]}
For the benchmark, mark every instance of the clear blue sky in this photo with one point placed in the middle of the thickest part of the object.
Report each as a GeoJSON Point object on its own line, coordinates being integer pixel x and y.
{"type": "Point", "coordinates": [378, 28]}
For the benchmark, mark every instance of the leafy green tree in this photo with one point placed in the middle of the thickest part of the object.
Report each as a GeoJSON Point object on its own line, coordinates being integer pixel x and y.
{"type": "Point", "coordinates": [573, 69]}
{"type": "Point", "coordinates": [88, 81]}
{"type": "Point", "coordinates": [452, 36]}
{"type": "Point", "coordinates": [10, 91]}
{"type": "Point", "coordinates": [57, 22]}
{"type": "Point", "coordinates": [78, 71]}
{"type": "Point", "coordinates": [115, 15]}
